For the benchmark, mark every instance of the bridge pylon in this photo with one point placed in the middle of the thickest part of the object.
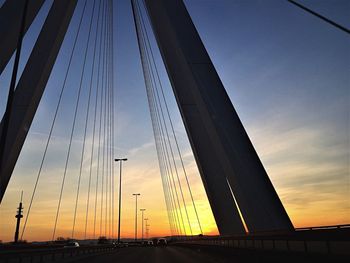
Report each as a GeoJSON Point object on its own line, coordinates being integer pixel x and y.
{"type": "Point", "coordinates": [225, 156]}
{"type": "Point", "coordinates": [32, 84]}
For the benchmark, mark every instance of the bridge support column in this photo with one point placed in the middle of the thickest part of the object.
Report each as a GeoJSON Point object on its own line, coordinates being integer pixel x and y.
{"type": "Point", "coordinates": [32, 83]}
{"type": "Point", "coordinates": [10, 21]}
{"type": "Point", "coordinates": [219, 141]}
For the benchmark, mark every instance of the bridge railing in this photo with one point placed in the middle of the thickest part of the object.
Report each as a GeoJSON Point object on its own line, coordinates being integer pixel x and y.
{"type": "Point", "coordinates": [332, 240]}
{"type": "Point", "coordinates": [49, 254]}
{"type": "Point", "coordinates": [323, 227]}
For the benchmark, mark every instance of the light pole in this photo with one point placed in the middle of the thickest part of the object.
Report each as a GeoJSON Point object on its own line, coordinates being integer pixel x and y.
{"type": "Point", "coordinates": [142, 210]}
{"type": "Point", "coordinates": [146, 219]}
{"type": "Point", "coordinates": [136, 195]}
{"type": "Point", "coordinates": [147, 230]}
{"type": "Point", "coordinates": [120, 193]}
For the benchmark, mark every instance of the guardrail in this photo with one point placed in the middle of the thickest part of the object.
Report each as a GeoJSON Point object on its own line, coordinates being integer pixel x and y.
{"type": "Point", "coordinates": [49, 255]}
{"type": "Point", "coordinates": [330, 240]}
{"type": "Point", "coordinates": [323, 227]}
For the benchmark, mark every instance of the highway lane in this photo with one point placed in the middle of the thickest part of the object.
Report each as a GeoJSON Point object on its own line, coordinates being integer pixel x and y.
{"type": "Point", "coordinates": [180, 254]}
{"type": "Point", "coordinates": [169, 254]}
{"type": "Point", "coordinates": [175, 254]}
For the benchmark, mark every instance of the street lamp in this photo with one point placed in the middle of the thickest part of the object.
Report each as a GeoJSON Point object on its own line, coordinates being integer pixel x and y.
{"type": "Point", "coordinates": [136, 195]}
{"type": "Point", "coordinates": [146, 219]}
{"type": "Point", "coordinates": [142, 210]}
{"type": "Point", "coordinates": [147, 230]}
{"type": "Point", "coordinates": [120, 193]}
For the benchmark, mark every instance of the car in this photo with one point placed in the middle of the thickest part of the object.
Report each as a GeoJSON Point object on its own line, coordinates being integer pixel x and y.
{"type": "Point", "coordinates": [120, 244]}
{"type": "Point", "coordinates": [102, 240]}
{"type": "Point", "coordinates": [149, 243]}
{"type": "Point", "coordinates": [72, 244]}
{"type": "Point", "coordinates": [161, 242]}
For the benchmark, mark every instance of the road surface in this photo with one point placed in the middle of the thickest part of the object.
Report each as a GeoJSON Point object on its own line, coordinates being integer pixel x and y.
{"type": "Point", "coordinates": [169, 254]}
{"type": "Point", "coordinates": [175, 254]}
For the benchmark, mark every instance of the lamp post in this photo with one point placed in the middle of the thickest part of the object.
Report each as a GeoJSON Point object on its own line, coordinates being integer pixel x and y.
{"type": "Point", "coordinates": [147, 230]}
{"type": "Point", "coordinates": [120, 193]}
{"type": "Point", "coordinates": [142, 210]}
{"type": "Point", "coordinates": [136, 195]}
{"type": "Point", "coordinates": [146, 219]}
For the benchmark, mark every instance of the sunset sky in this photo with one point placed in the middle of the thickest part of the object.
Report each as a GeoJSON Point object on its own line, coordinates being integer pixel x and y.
{"type": "Point", "coordinates": [287, 75]}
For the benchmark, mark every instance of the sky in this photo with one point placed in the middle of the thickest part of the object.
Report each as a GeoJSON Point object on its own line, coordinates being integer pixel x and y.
{"type": "Point", "coordinates": [286, 73]}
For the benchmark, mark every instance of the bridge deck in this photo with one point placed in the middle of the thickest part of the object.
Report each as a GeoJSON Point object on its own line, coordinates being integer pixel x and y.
{"type": "Point", "coordinates": [183, 253]}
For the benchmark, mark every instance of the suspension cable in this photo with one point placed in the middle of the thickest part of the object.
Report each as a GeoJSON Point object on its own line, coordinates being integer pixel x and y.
{"type": "Point", "coordinates": [110, 224]}
{"type": "Point", "coordinates": [161, 121]}
{"type": "Point", "coordinates": [100, 121]}
{"type": "Point", "coordinates": [107, 212]}
{"type": "Point", "coordinates": [136, 21]}
{"type": "Point", "coordinates": [164, 149]}
{"type": "Point", "coordinates": [104, 122]}
{"type": "Point", "coordinates": [157, 99]}
{"type": "Point", "coordinates": [86, 122]}
{"type": "Point", "coordinates": [53, 121]}
{"type": "Point", "coordinates": [105, 159]}
{"type": "Point", "coordinates": [71, 134]}
{"type": "Point", "coordinates": [168, 147]}
{"type": "Point", "coordinates": [112, 106]}
{"type": "Point", "coordinates": [343, 28]}
{"type": "Point", "coordinates": [171, 123]}
{"type": "Point", "coordinates": [94, 121]}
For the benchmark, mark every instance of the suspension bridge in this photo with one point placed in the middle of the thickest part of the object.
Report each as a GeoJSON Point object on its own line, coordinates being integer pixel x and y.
{"type": "Point", "coordinates": [72, 60]}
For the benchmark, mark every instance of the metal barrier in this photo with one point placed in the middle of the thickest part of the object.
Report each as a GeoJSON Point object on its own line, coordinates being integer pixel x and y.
{"type": "Point", "coordinates": [323, 227]}
{"type": "Point", "coordinates": [330, 240]}
{"type": "Point", "coordinates": [49, 255]}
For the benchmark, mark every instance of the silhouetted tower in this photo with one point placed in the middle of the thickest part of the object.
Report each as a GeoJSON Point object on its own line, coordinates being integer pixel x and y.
{"type": "Point", "coordinates": [18, 216]}
{"type": "Point", "coordinates": [229, 166]}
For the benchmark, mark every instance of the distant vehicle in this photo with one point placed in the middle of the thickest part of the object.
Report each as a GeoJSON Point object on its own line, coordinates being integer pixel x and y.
{"type": "Point", "coordinates": [39, 243]}
{"type": "Point", "coordinates": [121, 244]}
{"type": "Point", "coordinates": [71, 244]}
{"type": "Point", "coordinates": [102, 240]}
{"type": "Point", "coordinates": [149, 243]}
{"type": "Point", "coordinates": [161, 242]}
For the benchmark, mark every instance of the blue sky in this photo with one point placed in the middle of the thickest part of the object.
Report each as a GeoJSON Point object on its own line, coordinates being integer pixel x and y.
{"type": "Point", "coordinates": [286, 72]}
